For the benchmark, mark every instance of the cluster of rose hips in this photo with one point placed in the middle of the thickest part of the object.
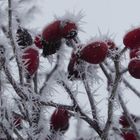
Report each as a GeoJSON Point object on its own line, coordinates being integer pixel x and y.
{"type": "Point", "coordinates": [132, 41]}
{"type": "Point", "coordinates": [95, 52]}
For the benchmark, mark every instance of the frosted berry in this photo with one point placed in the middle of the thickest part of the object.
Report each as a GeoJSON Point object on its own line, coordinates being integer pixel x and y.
{"type": "Point", "coordinates": [51, 38]}
{"type": "Point", "coordinates": [23, 37]}
{"type": "Point", "coordinates": [30, 58]}
{"type": "Point", "coordinates": [38, 42]}
{"type": "Point", "coordinates": [69, 30]}
{"type": "Point", "coordinates": [123, 121]}
{"type": "Point", "coordinates": [94, 53]}
{"type": "Point", "coordinates": [135, 53]}
{"type": "Point", "coordinates": [134, 68]}
{"type": "Point", "coordinates": [52, 31]}
{"type": "Point", "coordinates": [59, 120]}
{"type": "Point", "coordinates": [132, 39]}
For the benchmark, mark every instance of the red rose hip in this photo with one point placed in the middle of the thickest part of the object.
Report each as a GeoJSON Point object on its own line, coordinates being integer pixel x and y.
{"type": "Point", "coordinates": [30, 58]}
{"type": "Point", "coordinates": [94, 53]}
{"type": "Point", "coordinates": [134, 68]}
{"type": "Point", "coordinates": [59, 120]}
{"type": "Point", "coordinates": [132, 39]}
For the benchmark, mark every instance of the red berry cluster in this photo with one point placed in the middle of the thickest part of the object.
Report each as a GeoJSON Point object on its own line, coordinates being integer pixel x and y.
{"type": "Point", "coordinates": [52, 34]}
{"type": "Point", "coordinates": [132, 41]}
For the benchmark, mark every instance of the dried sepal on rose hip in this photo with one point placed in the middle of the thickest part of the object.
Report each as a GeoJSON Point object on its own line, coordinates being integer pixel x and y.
{"type": "Point", "coordinates": [95, 52]}
{"type": "Point", "coordinates": [131, 39]}
{"type": "Point", "coordinates": [134, 68]}
{"type": "Point", "coordinates": [59, 120]}
{"type": "Point", "coordinates": [135, 53]}
{"type": "Point", "coordinates": [69, 29]}
{"type": "Point", "coordinates": [112, 48]}
{"type": "Point", "coordinates": [30, 59]}
{"type": "Point", "coordinates": [24, 38]}
{"type": "Point", "coordinates": [111, 44]}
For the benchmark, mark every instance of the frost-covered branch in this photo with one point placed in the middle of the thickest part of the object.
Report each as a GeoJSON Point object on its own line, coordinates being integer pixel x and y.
{"type": "Point", "coordinates": [48, 76]}
{"type": "Point", "coordinates": [5, 130]}
{"type": "Point", "coordinates": [127, 84]}
{"type": "Point", "coordinates": [10, 32]}
{"type": "Point", "coordinates": [77, 108]}
{"type": "Point", "coordinates": [112, 98]}
{"type": "Point", "coordinates": [92, 102]}
{"type": "Point", "coordinates": [16, 87]}
{"type": "Point", "coordinates": [125, 81]}
{"type": "Point", "coordinates": [56, 105]}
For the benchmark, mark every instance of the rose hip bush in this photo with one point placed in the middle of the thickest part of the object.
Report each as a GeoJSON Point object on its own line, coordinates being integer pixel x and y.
{"type": "Point", "coordinates": [41, 95]}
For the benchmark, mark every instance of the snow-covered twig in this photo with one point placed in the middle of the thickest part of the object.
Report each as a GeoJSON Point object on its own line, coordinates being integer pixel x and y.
{"type": "Point", "coordinates": [10, 32]}
{"type": "Point", "coordinates": [111, 99]}
{"type": "Point", "coordinates": [92, 102]}
{"type": "Point", "coordinates": [56, 105]}
{"type": "Point", "coordinates": [49, 75]}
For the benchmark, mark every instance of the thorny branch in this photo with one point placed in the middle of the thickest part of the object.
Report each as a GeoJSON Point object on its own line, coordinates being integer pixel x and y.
{"type": "Point", "coordinates": [16, 87]}
{"type": "Point", "coordinates": [92, 102]}
{"type": "Point", "coordinates": [132, 88]}
{"type": "Point", "coordinates": [10, 32]}
{"type": "Point", "coordinates": [49, 75]}
{"type": "Point", "coordinates": [91, 122]}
